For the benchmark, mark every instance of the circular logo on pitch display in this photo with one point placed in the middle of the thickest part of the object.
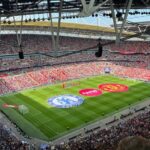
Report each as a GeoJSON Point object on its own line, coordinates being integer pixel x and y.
{"type": "Point", "coordinates": [90, 92]}
{"type": "Point", "coordinates": [112, 87]}
{"type": "Point", "coordinates": [65, 101]}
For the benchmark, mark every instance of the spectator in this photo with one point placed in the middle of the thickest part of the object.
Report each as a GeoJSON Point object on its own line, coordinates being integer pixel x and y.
{"type": "Point", "coordinates": [134, 143]}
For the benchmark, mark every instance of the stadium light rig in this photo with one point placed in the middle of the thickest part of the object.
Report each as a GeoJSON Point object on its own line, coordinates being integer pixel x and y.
{"type": "Point", "coordinates": [20, 53]}
{"type": "Point", "coordinates": [100, 50]}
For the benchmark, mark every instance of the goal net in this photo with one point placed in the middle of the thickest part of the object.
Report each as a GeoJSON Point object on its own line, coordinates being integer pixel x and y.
{"type": "Point", "coordinates": [23, 109]}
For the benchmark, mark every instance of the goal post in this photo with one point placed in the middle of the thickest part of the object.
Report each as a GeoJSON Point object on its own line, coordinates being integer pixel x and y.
{"type": "Point", "coordinates": [23, 109]}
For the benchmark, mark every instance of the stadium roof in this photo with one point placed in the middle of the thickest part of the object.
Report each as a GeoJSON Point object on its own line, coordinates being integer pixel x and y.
{"type": "Point", "coordinates": [83, 8]}
{"type": "Point", "coordinates": [9, 7]}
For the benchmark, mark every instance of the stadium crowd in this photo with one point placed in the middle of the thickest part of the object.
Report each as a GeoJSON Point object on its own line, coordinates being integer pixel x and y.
{"type": "Point", "coordinates": [134, 142]}
{"type": "Point", "coordinates": [33, 61]}
{"type": "Point", "coordinates": [108, 138]}
{"type": "Point", "coordinates": [42, 43]}
{"type": "Point", "coordinates": [34, 44]}
{"type": "Point", "coordinates": [131, 47]}
{"type": "Point", "coordinates": [50, 75]}
{"type": "Point", "coordinates": [8, 141]}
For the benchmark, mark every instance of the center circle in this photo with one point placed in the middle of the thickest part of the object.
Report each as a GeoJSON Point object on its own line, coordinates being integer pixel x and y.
{"type": "Point", "coordinates": [65, 101]}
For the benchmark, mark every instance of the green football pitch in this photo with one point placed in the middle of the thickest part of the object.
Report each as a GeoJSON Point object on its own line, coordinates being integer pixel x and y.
{"type": "Point", "coordinates": [46, 122]}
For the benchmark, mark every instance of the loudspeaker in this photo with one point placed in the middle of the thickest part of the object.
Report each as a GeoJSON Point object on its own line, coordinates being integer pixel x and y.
{"type": "Point", "coordinates": [119, 14]}
{"type": "Point", "coordinates": [100, 50]}
{"type": "Point", "coordinates": [6, 5]}
{"type": "Point", "coordinates": [21, 55]}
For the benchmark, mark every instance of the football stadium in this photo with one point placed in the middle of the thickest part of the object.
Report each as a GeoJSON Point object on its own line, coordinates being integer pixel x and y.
{"type": "Point", "coordinates": [74, 75]}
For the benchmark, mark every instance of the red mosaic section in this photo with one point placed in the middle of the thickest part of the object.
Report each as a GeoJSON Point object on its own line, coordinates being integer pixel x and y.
{"type": "Point", "coordinates": [113, 87]}
{"type": "Point", "coordinates": [90, 92]}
